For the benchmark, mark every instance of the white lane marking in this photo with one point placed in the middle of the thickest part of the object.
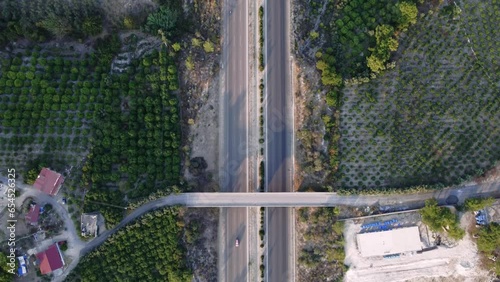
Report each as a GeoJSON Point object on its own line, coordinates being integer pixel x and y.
{"type": "Point", "coordinates": [247, 113]}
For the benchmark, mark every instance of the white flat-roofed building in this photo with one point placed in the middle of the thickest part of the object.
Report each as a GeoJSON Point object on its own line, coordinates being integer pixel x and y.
{"type": "Point", "coordinates": [389, 242]}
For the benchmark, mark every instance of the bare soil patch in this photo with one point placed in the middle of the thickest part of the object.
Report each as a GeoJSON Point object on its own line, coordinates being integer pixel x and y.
{"type": "Point", "coordinates": [200, 240]}
{"type": "Point", "coordinates": [452, 260]}
{"type": "Point", "coordinates": [199, 77]}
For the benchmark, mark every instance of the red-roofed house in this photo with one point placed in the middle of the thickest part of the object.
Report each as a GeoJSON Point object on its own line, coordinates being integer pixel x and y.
{"type": "Point", "coordinates": [48, 181]}
{"type": "Point", "coordinates": [33, 214]}
{"type": "Point", "coordinates": [50, 260]}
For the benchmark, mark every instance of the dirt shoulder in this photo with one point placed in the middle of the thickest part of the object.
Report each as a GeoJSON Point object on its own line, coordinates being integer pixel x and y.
{"type": "Point", "coordinates": [199, 98]}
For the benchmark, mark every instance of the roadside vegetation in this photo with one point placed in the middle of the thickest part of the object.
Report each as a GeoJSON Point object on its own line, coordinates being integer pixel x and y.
{"type": "Point", "coordinates": [441, 219]}
{"type": "Point", "coordinates": [488, 244]}
{"type": "Point", "coordinates": [145, 250]}
{"type": "Point", "coordinates": [261, 38]}
{"type": "Point", "coordinates": [320, 245]}
{"type": "Point", "coordinates": [475, 204]}
{"type": "Point", "coordinates": [5, 275]}
{"type": "Point", "coordinates": [199, 237]}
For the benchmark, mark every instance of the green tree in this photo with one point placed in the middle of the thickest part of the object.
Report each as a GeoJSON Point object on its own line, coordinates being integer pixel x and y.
{"type": "Point", "coordinates": [5, 276]}
{"type": "Point", "coordinates": [165, 19]}
{"type": "Point", "coordinates": [128, 23]}
{"type": "Point", "coordinates": [331, 78]}
{"type": "Point", "coordinates": [321, 65]}
{"type": "Point", "coordinates": [474, 204]}
{"type": "Point", "coordinates": [189, 63]}
{"type": "Point", "coordinates": [177, 47]}
{"type": "Point", "coordinates": [92, 26]}
{"type": "Point", "coordinates": [489, 238]}
{"type": "Point", "coordinates": [57, 26]}
{"type": "Point", "coordinates": [313, 35]}
{"type": "Point", "coordinates": [195, 42]}
{"type": "Point", "coordinates": [408, 13]}
{"type": "Point", "coordinates": [375, 64]}
{"type": "Point", "coordinates": [439, 218]}
{"type": "Point", "coordinates": [208, 46]}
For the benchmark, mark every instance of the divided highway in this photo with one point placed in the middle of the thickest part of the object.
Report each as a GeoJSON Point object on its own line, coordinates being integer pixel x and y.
{"type": "Point", "coordinates": [233, 159]}
{"type": "Point", "coordinates": [279, 136]}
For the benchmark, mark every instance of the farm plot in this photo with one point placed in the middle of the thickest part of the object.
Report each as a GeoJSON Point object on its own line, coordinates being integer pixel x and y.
{"type": "Point", "coordinates": [137, 135]}
{"type": "Point", "coordinates": [46, 107]}
{"type": "Point", "coordinates": [57, 110]}
{"type": "Point", "coordinates": [434, 119]}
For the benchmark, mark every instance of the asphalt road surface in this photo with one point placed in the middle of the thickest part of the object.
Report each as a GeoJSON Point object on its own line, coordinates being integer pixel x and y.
{"type": "Point", "coordinates": [278, 139]}
{"type": "Point", "coordinates": [234, 138]}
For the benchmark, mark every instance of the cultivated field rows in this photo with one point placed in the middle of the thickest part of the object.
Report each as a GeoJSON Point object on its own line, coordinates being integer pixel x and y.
{"type": "Point", "coordinates": [434, 117]}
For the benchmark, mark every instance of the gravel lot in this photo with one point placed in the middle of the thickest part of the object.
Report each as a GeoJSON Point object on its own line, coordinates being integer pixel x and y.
{"type": "Point", "coordinates": [457, 263]}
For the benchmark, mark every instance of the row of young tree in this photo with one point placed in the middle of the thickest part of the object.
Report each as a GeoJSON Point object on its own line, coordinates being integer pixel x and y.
{"type": "Point", "coordinates": [148, 249]}
{"type": "Point", "coordinates": [131, 119]}
{"type": "Point", "coordinates": [135, 145]}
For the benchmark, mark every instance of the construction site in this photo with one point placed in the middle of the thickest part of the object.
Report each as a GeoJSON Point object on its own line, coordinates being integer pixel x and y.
{"type": "Point", "coordinates": [399, 247]}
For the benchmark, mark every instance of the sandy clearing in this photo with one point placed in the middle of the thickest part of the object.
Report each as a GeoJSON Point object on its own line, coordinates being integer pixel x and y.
{"type": "Point", "coordinates": [460, 263]}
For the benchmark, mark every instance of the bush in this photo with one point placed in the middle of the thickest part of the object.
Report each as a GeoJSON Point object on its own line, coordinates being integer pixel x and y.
{"type": "Point", "coordinates": [313, 35]}
{"type": "Point", "coordinates": [106, 48]}
{"type": "Point", "coordinates": [438, 218]}
{"type": "Point", "coordinates": [92, 26]}
{"type": "Point", "coordinates": [195, 42]}
{"type": "Point", "coordinates": [208, 46]}
{"type": "Point", "coordinates": [189, 63]}
{"type": "Point", "coordinates": [18, 83]}
{"type": "Point", "coordinates": [474, 204]}
{"type": "Point", "coordinates": [177, 47]}
{"type": "Point", "coordinates": [165, 19]}
{"type": "Point", "coordinates": [489, 238]}
{"type": "Point", "coordinates": [128, 23]}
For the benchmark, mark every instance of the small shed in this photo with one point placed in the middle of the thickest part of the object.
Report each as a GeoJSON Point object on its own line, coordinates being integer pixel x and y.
{"type": "Point", "coordinates": [389, 242]}
{"type": "Point", "coordinates": [33, 215]}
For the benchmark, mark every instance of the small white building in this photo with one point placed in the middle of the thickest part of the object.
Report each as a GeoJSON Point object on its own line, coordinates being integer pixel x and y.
{"type": "Point", "coordinates": [389, 242]}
